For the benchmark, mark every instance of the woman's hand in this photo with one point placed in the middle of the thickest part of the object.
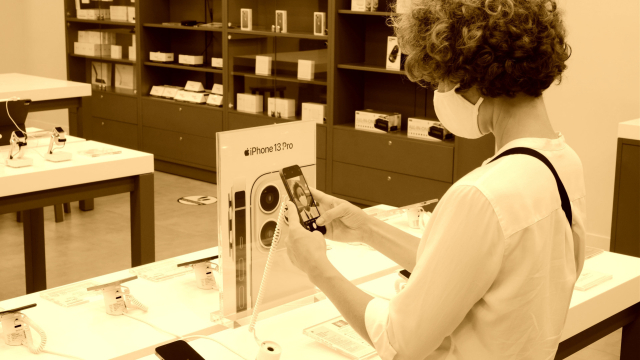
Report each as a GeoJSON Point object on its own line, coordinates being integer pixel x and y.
{"type": "Point", "coordinates": [344, 221]}
{"type": "Point", "coordinates": [306, 250]}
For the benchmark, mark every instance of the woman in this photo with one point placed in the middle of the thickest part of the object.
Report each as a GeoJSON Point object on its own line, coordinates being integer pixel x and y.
{"type": "Point", "coordinates": [304, 207]}
{"type": "Point", "coordinates": [493, 274]}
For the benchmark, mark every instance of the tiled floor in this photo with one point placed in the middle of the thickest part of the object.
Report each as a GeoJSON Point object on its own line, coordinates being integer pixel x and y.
{"type": "Point", "coordinates": [89, 244]}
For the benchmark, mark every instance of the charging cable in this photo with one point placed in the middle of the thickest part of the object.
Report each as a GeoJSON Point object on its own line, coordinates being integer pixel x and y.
{"type": "Point", "coordinates": [6, 104]}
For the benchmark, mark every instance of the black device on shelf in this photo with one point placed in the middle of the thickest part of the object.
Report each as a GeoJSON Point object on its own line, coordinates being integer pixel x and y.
{"type": "Point", "coordinates": [188, 23]}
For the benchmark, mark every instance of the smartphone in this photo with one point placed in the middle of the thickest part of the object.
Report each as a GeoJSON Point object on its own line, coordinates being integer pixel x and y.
{"type": "Point", "coordinates": [245, 19]}
{"type": "Point", "coordinates": [238, 239]}
{"type": "Point", "coordinates": [405, 274]}
{"type": "Point", "coordinates": [177, 350]}
{"type": "Point", "coordinates": [318, 24]}
{"type": "Point", "coordinates": [198, 261]}
{"type": "Point", "coordinates": [299, 193]}
{"type": "Point", "coordinates": [17, 309]}
{"type": "Point", "coordinates": [279, 21]}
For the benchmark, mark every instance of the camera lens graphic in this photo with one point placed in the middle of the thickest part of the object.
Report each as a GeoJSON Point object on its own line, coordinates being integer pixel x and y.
{"type": "Point", "coordinates": [269, 198]}
{"type": "Point", "coordinates": [266, 233]}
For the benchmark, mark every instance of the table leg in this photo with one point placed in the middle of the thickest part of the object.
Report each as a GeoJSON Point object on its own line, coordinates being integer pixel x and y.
{"type": "Point", "coordinates": [630, 345]}
{"type": "Point", "coordinates": [86, 205]}
{"type": "Point", "coordinates": [19, 216]}
{"type": "Point", "coordinates": [142, 221]}
{"type": "Point", "coordinates": [57, 209]}
{"type": "Point", "coordinates": [34, 250]}
{"type": "Point", "coordinates": [67, 208]}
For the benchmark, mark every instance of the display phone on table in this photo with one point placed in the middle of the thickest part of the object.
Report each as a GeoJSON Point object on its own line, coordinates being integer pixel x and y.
{"type": "Point", "coordinates": [299, 193]}
{"type": "Point", "coordinates": [177, 350]}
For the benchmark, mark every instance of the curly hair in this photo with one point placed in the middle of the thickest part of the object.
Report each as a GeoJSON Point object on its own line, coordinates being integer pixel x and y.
{"type": "Point", "coordinates": [503, 47]}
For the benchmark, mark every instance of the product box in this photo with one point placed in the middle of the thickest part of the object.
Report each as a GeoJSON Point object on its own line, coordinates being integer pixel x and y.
{"type": "Point", "coordinates": [246, 19]}
{"type": "Point", "coordinates": [217, 89]}
{"type": "Point", "coordinates": [131, 14]}
{"type": "Point", "coordinates": [419, 128]}
{"type": "Point", "coordinates": [215, 100]}
{"type": "Point", "coordinates": [313, 112]}
{"type": "Point", "coordinates": [132, 53]}
{"type": "Point", "coordinates": [96, 37]}
{"type": "Point", "coordinates": [192, 60]}
{"type": "Point", "coordinates": [195, 86]}
{"type": "Point", "coordinates": [282, 108]}
{"type": "Point", "coordinates": [306, 69]}
{"type": "Point", "coordinates": [263, 65]}
{"type": "Point", "coordinates": [358, 5]}
{"type": "Point", "coordinates": [281, 21]}
{"type": "Point", "coordinates": [160, 56]}
{"type": "Point", "coordinates": [192, 97]}
{"type": "Point", "coordinates": [101, 50]}
{"type": "Point", "coordinates": [319, 23]}
{"type": "Point", "coordinates": [119, 13]}
{"type": "Point", "coordinates": [394, 57]}
{"type": "Point", "coordinates": [157, 91]}
{"type": "Point", "coordinates": [116, 52]}
{"type": "Point", "coordinates": [101, 73]}
{"type": "Point", "coordinates": [216, 62]}
{"type": "Point", "coordinates": [93, 14]}
{"type": "Point", "coordinates": [124, 76]}
{"type": "Point", "coordinates": [249, 103]}
{"type": "Point", "coordinates": [378, 121]}
{"type": "Point", "coordinates": [170, 92]}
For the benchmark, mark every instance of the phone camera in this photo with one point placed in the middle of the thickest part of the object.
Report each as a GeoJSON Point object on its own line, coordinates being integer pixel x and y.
{"type": "Point", "coordinates": [266, 233]}
{"type": "Point", "coordinates": [269, 199]}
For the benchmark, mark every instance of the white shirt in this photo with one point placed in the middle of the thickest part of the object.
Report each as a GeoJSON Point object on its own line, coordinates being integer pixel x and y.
{"type": "Point", "coordinates": [496, 265]}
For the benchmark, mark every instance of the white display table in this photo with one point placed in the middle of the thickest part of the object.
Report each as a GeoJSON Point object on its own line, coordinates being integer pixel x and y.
{"type": "Point", "coordinates": [629, 129]}
{"type": "Point", "coordinates": [46, 183]}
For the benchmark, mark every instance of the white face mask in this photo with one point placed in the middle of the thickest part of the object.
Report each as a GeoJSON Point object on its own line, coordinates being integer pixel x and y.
{"type": "Point", "coordinates": [457, 114]}
{"type": "Point", "coordinates": [303, 200]}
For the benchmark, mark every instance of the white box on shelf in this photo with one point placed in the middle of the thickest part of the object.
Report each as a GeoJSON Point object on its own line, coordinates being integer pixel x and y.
{"type": "Point", "coordinates": [96, 37]}
{"type": "Point", "coordinates": [86, 49]}
{"type": "Point", "coordinates": [313, 112]}
{"type": "Point", "coordinates": [216, 62]}
{"type": "Point", "coordinates": [157, 90]}
{"type": "Point", "coordinates": [118, 13]}
{"type": "Point", "coordinates": [160, 56]}
{"type": "Point", "coordinates": [132, 53]}
{"type": "Point", "coordinates": [181, 95]}
{"type": "Point", "coordinates": [170, 92]}
{"type": "Point", "coordinates": [263, 65]}
{"type": "Point", "coordinates": [249, 103]}
{"type": "Point", "coordinates": [393, 53]}
{"type": "Point", "coordinates": [358, 5]}
{"type": "Point", "coordinates": [367, 120]}
{"type": "Point", "coordinates": [196, 98]}
{"type": "Point", "coordinates": [282, 108]}
{"type": "Point", "coordinates": [214, 100]}
{"type": "Point", "coordinates": [101, 73]}
{"type": "Point", "coordinates": [306, 69]}
{"type": "Point", "coordinates": [131, 14]}
{"type": "Point", "coordinates": [93, 14]}
{"type": "Point", "coordinates": [133, 40]}
{"type": "Point", "coordinates": [116, 52]}
{"type": "Point", "coordinates": [192, 60]}
{"type": "Point", "coordinates": [246, 19]}
{"type": "Point", "coordinates": [418, 127]}
{"type": "Point", "coordinates": [281, 21]}
{"type": "Point", "coordinates": [194, 86]}
{"type": "Point", "coordinates": [217, 89]}
{"type": "Point", "coordinates": [124, 76]}
{"type": "Point", "coordinates": [319, 23]}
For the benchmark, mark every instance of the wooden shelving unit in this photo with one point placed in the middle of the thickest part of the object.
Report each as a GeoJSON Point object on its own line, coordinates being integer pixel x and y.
{"type": "Point", "coordinates": [364, 167]}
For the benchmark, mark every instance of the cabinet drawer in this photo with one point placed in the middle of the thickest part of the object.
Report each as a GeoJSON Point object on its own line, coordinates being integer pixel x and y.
{"type": "Point", "coordinates": [113, 132]}
{"type": "Point", "coordinates": [321, 141]}
{"type": "Point", "coordinates": [184, 118]}
{"type": "Point", "coordinates": [321, 174]}
{"type": "Point", "coordinates": [114, 107]}
{"type": "Point", "coordinates": [394, 153]}
{"type": "Point", "coordinates": [384, 187]}
{"type": "Point", "coordinates": [238, 120]}
{"type": "Point", "coordinates": [184, 147]}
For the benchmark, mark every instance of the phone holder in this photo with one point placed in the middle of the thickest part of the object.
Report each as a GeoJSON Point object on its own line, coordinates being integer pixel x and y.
{"type": "Point", "coordinates": [207, 273]}
{"type": "Point", "coordinates": [59, 139]}
{"type": "Point", "coordinates": [117, 298]}
{"type": "Point", "coordinates": [16, 331]}
{"type": "Point", "coordinates": [18, 139]}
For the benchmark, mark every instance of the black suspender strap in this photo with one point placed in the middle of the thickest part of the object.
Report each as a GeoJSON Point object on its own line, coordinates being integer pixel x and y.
{"type": "Point", "coordinates": [564, 198]}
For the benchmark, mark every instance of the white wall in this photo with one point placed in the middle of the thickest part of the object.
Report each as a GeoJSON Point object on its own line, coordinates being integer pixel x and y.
{"type": "Point", "coordinates": [32, 42]}
{"type": "Point", "coordinates": [600, 89]}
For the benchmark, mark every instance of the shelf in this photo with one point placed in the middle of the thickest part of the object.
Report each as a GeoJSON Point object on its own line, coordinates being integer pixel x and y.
{"type": "Point", "coordinates": [180, 27]}
{"type": "Point", "coordinates": [370, 68]}
{"type": "Point", "coordinates": [287, 78]}
{"type": "Point", "coordinates": [265, 116]}
{"type": "Point", "coordinates": [101, 22]}
{"type": "Point", "coordinates": [374, 13]}
{"type": "Point", "coordinates": [394, 135]}
{"type": "Point", "coordinates": [268, 32]}
{"type": "Point", "coordinates": [208, 69]}
{"type": "Point", "coordinates": [153, 98]}
{"type": "Point", "coordinates": [99, 58]}
{"type": "Point", "coordinates": [113, 90]}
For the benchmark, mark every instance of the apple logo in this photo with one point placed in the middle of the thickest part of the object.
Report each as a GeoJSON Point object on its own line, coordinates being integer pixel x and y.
{"type": "Point", "coordinates": [246, 152]}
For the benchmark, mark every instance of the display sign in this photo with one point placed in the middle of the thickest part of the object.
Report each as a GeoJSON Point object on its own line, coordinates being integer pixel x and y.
{"type": "Point", "coordinates": [250, 192]}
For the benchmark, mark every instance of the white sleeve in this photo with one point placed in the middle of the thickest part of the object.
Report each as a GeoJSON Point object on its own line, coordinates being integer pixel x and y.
{"type": "Point", "coordinates": [457, 262]}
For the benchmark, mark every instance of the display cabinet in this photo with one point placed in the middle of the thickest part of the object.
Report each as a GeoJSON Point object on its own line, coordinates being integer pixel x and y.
{"type": "Point", "coordinates": [294, 60]}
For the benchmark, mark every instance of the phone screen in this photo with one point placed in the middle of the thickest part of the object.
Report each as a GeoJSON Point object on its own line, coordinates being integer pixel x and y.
{"type": "Point", "coordinates": [299, 193]}
{"type": "Point", "coordinates": [177, 350]}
